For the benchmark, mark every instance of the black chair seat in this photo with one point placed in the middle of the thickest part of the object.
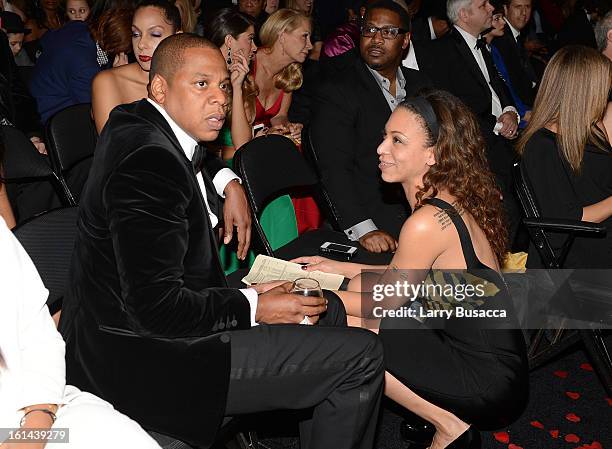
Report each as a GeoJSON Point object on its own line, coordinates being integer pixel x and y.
{"type": "Point", "coordinates": [49, 240]}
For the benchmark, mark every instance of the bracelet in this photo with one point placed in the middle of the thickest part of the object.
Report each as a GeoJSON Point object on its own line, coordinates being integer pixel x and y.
{"type": "Point", "coordinates": [44, 410]}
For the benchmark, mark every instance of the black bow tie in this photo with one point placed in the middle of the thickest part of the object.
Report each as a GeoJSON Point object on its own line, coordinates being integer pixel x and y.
{"type": "Point", "coordinates": [481, 43]}
{"type": "Point", "coordinates": [198, 158]}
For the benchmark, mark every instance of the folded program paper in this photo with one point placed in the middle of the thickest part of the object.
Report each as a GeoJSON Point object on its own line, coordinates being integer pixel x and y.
{"type": "Point", "coordinates": [266, 269]}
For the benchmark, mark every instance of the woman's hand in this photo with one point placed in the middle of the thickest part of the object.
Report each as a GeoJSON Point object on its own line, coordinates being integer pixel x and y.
{"type": "Point", "coordinates": [39, 144]}
{"type": "Point", "coordinates": [239, 69]}
{"type": "Point", "coordinates": [318, 263]}
{"type": "Point", "coordinates": [120, 59]}
{"type": "Point", "coordinates": [295, 131]}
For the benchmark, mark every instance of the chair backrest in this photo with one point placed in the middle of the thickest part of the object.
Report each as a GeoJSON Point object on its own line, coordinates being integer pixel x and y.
{"type": "Point", "coordinates": [524, 191]}
{"type": "Point", "coordinates": [311, 155]}
{"type": "Point", "coordinates": [49, 240]}
{"type": "Point", "coordinates": [23, 164]}
{"type": "Point", "coordinates": [529, 206]}
{"type": "Point", "coordinates": [269, 166]}
{"type": "Point", "coordinates": [71, 136]}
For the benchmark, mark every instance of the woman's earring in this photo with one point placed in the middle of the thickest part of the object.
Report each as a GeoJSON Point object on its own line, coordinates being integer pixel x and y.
{"type": "Point", "coordinates": [229, 55]}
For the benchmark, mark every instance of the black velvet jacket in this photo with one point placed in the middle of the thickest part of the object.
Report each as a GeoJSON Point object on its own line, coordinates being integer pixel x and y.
{"type": "Point", "coordinates": [148, 305]}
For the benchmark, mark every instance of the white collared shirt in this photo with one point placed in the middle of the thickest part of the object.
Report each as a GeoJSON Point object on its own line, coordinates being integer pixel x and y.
{"type": "Point", "coordinates": [221, 179]}
{"type": "Point", "coordinates": [432, 32]}
{"type": "Point", "coordinates": [496, 107]}
{"type": "Point", "coordinates": [515, 33]}
{"type": "Point", "coordinates": [188, 145]}
{"type": "Point", "coordinates": [410, 61]}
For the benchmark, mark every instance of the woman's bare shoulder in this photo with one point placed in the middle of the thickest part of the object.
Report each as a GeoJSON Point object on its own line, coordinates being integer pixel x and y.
{"type": "Point", "coordinates": [118, 75]}
{"type": "Point", "coordinates": [427, 219]}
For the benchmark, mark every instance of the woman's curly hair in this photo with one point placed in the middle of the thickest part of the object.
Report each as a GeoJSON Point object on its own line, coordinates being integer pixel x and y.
{"type": "Point", "coordinates": [461, 167]}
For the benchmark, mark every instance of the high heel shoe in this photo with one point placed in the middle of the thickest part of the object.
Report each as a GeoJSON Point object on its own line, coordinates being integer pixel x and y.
{"type": "Point", "coordinates": [470, 439]}
{"type": "Point", "coordinates": [417, 433]}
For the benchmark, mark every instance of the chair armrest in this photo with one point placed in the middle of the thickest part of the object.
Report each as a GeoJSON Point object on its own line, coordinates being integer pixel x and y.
{"type": "Point", "coordinates": [567, 226]}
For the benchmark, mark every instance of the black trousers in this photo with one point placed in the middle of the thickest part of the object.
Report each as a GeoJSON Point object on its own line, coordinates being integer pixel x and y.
{"type": "Point", "coordinates": [335, 370]}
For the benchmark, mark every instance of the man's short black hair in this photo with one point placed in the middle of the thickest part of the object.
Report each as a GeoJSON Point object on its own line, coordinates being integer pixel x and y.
{"type": "Point", "coordinates": [390, 5]}
{"type": "Point", "coordinates": [169, 56]}
{"type": "Point", "coordinates": [171, 12]}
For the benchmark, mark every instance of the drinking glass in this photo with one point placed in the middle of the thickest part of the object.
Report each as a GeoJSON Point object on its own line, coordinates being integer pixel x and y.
{"type": "Point", "coordinates": [307, 287]}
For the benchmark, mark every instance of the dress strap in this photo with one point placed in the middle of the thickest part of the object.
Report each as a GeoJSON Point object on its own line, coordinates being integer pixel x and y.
{"type": "Point", "coordinates": [471, 261]}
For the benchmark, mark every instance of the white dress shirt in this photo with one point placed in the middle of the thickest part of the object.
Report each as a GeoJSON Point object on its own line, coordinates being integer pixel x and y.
{"type": "Point", "coordinates": [410, 61]}
{"type": "Point", "coordinates": [515, 33]}
{"type": "Point", "coordinates": [496, 107]}
{"type": "Point", "coordinates": [221, 179]}
{"type": "Point", "coordinates": [432, 32]}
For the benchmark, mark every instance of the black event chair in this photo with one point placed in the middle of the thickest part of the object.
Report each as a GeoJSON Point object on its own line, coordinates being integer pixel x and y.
{"type": "Point", "coordinates": [270, 166]}
{"type": "Point", "coordinates": [48, 239]}
{"type": "Point", "coordinates": [39, 188]}
{"type": "Point", "coordinates": [539, 227]}
{"type": "Point", "coordinates": [312, 157]}
{"type": "Point", "coordinates": [71, 141]}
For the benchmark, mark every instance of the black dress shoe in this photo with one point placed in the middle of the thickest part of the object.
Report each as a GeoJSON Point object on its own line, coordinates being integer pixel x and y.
{"type": "Point", "coordinates": [470, 439]}
{"type": "Point", "coordinates": [418, 434]}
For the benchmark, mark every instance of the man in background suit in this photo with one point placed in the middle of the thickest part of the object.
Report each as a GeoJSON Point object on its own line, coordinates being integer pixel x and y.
{"type": "Point", "coordinates": [350, 110]}
{"type": "Point", "coordinates": [149, 322]}
{"type": "Point", "coordinates": [461, 64]}
{"type": "Point", "coordinates": [511, 46]}
{"type": "Point", "coordinates": [430, 22]}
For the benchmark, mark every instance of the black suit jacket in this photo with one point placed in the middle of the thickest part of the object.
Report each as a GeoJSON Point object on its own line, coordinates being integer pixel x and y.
{"type": "Point", "coordinates": [521, 74]}
{"type": "Point", "coordinates": [420, 29]}
{"type": "Point", "coordinates": [451, 66]}
{"type": "Point", "coordinates": [147, 303]}
{"type": "Point", "coordinates": [349, 115]}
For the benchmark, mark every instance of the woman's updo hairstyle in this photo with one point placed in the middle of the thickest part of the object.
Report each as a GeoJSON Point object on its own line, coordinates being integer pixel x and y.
{"type": "Point", "coordinates": [291, 77]}
{"type": "Point", "coordinates": [228, 21]}
{"type": "Point", "coordinates": [171, 13]}
{"type": "Point", "coordinates": [461, 165]}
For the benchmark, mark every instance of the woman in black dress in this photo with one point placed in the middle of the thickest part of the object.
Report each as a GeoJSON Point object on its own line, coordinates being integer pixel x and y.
{"type": "Point", "coordinates": [455, 373]}
{"type": "Point", "coordinates": [566, 153]}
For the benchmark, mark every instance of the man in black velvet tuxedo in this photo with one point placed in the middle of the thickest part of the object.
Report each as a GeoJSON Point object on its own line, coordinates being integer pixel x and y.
{"type": "Point", "coordinates": [149, 322]}
{"type": "Point", "coordinates": [350, 110]}
{"type": "Point", "coordinates": [511, 46]}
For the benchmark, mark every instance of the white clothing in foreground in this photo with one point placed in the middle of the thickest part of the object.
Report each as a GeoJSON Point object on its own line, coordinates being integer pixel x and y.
{"type": "Point", "coordinates": [35, 370]}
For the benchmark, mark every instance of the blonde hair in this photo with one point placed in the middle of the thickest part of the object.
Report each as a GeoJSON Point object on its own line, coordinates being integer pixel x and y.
{"type": "Point", "coordinates": [284, 20]}
{"type": "Point", "coordinates": [573, 96]}
{"type": "Point", "coordinates": [188, 15]}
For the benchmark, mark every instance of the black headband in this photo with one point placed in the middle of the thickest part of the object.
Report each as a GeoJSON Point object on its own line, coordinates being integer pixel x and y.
{"type": "Point", "coordinates": [425, 110]}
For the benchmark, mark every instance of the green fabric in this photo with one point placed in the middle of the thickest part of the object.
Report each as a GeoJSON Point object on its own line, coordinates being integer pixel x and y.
{"type": "Point", "coordinates": [225, 137]}
{"type": "Point", "coordinates": [278, 223]}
